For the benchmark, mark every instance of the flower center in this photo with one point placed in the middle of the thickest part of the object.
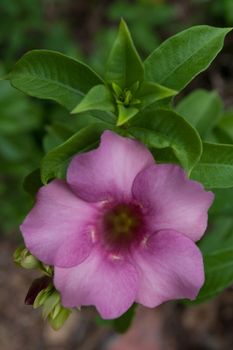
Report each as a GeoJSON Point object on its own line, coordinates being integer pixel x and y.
{"type": "Point", "coordinates": [122, 223]}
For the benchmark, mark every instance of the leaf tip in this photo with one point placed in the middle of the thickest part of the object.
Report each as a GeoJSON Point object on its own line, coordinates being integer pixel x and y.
{"type": "Point", "coordinates": [75, 110]}
{"type": "Point", "coordinates": [123, 26]}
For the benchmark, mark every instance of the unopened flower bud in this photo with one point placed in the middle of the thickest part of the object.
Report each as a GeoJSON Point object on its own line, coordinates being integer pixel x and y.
{"type": "Point", "coordinates": [37, 286]}
{"type": "Point", "coordinates": [25, 259]}
{"type": "Point", "coordinates": [50, 303]}
{"type": "Point", "coordinates": [58, 321]}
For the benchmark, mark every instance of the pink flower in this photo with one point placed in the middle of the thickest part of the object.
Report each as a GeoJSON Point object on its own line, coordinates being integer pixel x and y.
{"type": "Point", "coordinates": [121, 229]}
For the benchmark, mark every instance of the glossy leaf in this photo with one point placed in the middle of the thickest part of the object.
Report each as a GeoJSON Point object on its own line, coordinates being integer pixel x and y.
{"type": "Point", "coordinates": [149, 93]}
{"type": "Point", "coordinates": [215, 168]}
{"type": "Point", "coordinates": [124, 66]}
{"type": "Point", "coordinates": [98, 98]}
{"type": "Point", "coordinates": [54, 163]}
{"type": "Point", "coordinates": [180, 58]}
{"type": "Point", "coordinates": [218, 273]}
{"type": "Point", "coordinates": [165, 129]}
{"type": "Point", "coordinates": [125, 114]}
{"type": "Point", "coordinates": [219, 234]}
{"type": "Point", "coordinates": [218, 257]}
{"type": "Point", "coordinates": [52, 75]}
{"type": "Point", "coordinates": [226, 125]}
{"type": "Point", "coordinates": [202, 109]}
{"type": "Point", "coordinates": [223, 202]}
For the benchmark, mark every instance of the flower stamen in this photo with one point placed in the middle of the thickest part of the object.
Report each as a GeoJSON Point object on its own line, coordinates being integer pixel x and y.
{"type": "Point", "coordinates": [122, 223]}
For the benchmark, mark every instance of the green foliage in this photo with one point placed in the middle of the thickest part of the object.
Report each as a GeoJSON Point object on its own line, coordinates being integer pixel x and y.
{"type": "Point", "coordinates": [162, 129]}
{"type": "Point", "coordinates": [135, 100]}
{"type": "Point", "coordinates": [121, 324]}
{"type": "Point", "coordinates": [218, 273]}
{"type": "Point", "coordinates": [149, 93]}
{"type": "Point", "coordinates": [50, 302]}
{"type": "Point", "coordinates": [32, 182]}
{"type": "Point", "coordinates": [19, 152]}
{"type": "Point", "coordinates": [220, 230]}
{"type": "Point", "coordinates": [180, 58]}
{"type": "Point", "coordinates": [147, 20]}
{"type": "Point", "coordinates": [55, 161]}
{"type": "Point", "coordinates": [222, 9]}
{"type": "Point", "coordinates": [215, 168]}
{"type": "Point", "coordinates": [26, 24]}
{"type": "Point", "coordinates": [216, 248]}
{"type": "Point", "coordinates": [224, 129]}
{"type": "Point", "coordinates": [202, 109]}
{"type": "Point", "coordinates": [38, 73]}
{"type": "Point", "coordinates": [98, 97]}
{"type": "Point", "coordinates": [124, 66]}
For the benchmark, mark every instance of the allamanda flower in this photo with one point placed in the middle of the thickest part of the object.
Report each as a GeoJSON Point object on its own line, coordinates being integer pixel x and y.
{"type": "Point", "coordinates": [120, 229]}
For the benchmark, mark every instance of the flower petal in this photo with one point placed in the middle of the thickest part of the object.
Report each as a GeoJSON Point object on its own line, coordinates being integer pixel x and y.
{"type": "Point", "coordinates": [110, 170]}
{"type": "Point", "coordinates": [172, 200]}
{"type": "Point", "coordinates": [107, 283]}
{"type": "Point", "coordinates": [56, 229]}
{"type": "Point", "coordinates": [170, 267]}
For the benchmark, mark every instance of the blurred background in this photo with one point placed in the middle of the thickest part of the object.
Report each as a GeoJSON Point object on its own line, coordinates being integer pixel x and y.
{"type": "Point", "coordinates": [85, 29]}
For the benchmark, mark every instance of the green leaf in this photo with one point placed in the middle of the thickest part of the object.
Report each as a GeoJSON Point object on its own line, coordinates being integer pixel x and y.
{"type": "Point", "coordinates": [165, 103]}
{"type": "Point", "coordinates": [98, 98]}
{"type": "Point", "coordinates": [52, 75]}
{"type": "Point", "coordinates": [55, 162]}
{"type": "Point", "coordinates": [32, 182]}
{"type": "Point", "coordinates": [94, 116]}
{"type": "Point", "coordinates": [124, 66]}
{"type": "Point", "coordinates": [218, 273]}
{"type": "Point", "coordinates": [222, 202]}
{"type": "Point", "coordinates": [101, 322]}
{"type": "Point", "coordinates": [202, 109]}
{"type": "Point", "coordinates": [125, 114]}
{"type": "Point", "coordinates": [149, 93]}
{"type": "Point", "coordinates": [180, 58]}
{"type": "Point", "coordinates": [56, 133]}
{"type": "Point", "coordinates": [218, 256]}
{"type": "Point", "coordinates": [219, 234]}
{"type": "Point", "coordinates": [226, 125]}
{"type": "Point", "coordinates": [165, 129]}
{"type": "Point", "coordinates": [122, 324]}
{"type": "Point", "coordinates": [215, 168]}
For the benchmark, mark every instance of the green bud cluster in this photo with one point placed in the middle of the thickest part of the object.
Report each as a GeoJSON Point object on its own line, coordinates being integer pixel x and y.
{"type": "Point", "coordinates": [42, 293]}
{"type": "Point", "coordinates": [125, 100]}
{"type": "Point", "coordinates": [23, 258]}
{"type": "Point", "coordinates": [52, 310]}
